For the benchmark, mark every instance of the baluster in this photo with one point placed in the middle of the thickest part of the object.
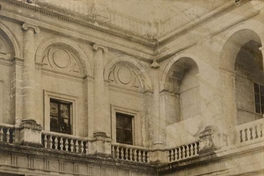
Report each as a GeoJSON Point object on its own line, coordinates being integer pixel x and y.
{"type": "Point", "coordinates": [61, 143]}
{"type": "Point", "coordinates": [13, 136]}
{"type": "Point", "coordinates": [81, 146]}
{"type": "Point", "coordinates": [7, 135]}
{"type": "Point", "coordinates": [131, 154]}
{"type": "Point", "coordinates": [169, 155]}
{"type": "Point", "coordinates": [136, 155]}
{"type": "Point", "coordinates": [147, 156]}
{"type": "Point", "coordinates": [246, 134]}
{"type": "Point", "coordinates": [45, 141]}
{"type": "Point", "coordinates": [50, 142]}
{"type": "Point", "coordinates": [66, 145]}
{"type": "Point", "coordinates": [71, 145]}
{"type": "Point", "coordinates": [86, 147]}
{"type": "Point", "coordinates": [180, 153]}
{"type": "Point", "coordinates": [56, 143]}
{"type": "Point", "coordinates": [126, 153]}
{"type": "Point", "coordinates": [256, 131]}
{"type": "Point", "coordinates": [143, 156]}
{"type": "Point", "coordinates": [191, 150]}
{"type": "Point", "coordinates": [122, 153]}
{"type": "Point", "coordinates": [260, 130]}
{"type": "Point", "coordinates": [139, 156]}
{"type": "Point", "coordinates": [250, 133]}
{"type": "Point", "coordinates": [117, 152]}
{"type": "Point", "coordinates": [1, 134]}
{"type": "Point", "coordinates": [77, 146]}
{"type": "Point", "coordinates": [241, 136]}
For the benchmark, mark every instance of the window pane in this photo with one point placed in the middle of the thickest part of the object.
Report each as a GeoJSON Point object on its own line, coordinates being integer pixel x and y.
{"type": "Point", "coordinates": [256, 88]}
{"type": "Point", "coordinates": [119, 135]}
{"type": "Point", "coordinates": [262, 109]}
{"type": "Point", "coordinates": [257, 108]}
{"type": "Point", "coordinates": [54, 109]}
{"type": "Point", "coordinates": [54, 123]}
{"type": "Point", "coordinates": [257, 100]}
{"type": "Point", "coordinates": [64, 111]}
{"type": "Point", "coordinates": [261, 90]}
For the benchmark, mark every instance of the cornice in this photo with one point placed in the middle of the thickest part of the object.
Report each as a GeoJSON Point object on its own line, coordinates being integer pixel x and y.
{"type": "Point", "coordinates": [87, 22]}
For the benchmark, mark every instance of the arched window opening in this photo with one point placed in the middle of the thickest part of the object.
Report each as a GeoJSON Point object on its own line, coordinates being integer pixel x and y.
{"type": "Point", "coordinates": [249, 83]}
{"type": "Point", "coordinates": [183, 83]}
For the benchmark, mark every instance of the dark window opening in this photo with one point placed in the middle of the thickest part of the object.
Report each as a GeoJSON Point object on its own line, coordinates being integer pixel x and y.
{"type": "Point", "coordinates": [259, 98]}
{"type": "Point", "coordinates": [124, 132]}
{"type": "Point", "coordinates": [60, 116]}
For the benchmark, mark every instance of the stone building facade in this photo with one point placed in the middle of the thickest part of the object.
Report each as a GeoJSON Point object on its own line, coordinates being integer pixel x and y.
{"type": "Point", "coordinates": [91, 88]}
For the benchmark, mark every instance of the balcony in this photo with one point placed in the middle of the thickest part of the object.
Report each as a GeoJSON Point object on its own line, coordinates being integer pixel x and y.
{"type": "Point", "coordinates": [69, 148]}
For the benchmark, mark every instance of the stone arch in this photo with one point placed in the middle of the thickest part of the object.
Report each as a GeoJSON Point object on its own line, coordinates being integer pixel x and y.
{"type": "Point", "coordinates": [174, 60]}
{"type": "Point", "coordinates": [180, 81]}
{"type": "Point", "coordinates": [82, 58]}
{"type": "Point", "coordinates": [12, 40]}
{"type": "Point", "coordinates": [147, 86]}
{"type": "Point", "coordinates": [238, 36]}
{"type": "Point", "coordinates": [233, 45]}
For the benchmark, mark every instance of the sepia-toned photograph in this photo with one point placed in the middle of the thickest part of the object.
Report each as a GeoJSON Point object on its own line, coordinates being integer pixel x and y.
{"type": "Point", "coordinates": [131, 88]}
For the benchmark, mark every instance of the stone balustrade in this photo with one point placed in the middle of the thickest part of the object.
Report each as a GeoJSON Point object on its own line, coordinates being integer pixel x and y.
{"type": "Point", "coordinates": [250, 132]}
{"type": "Point", "coordinates": [183, 152]}
{"type": "Point", "coordinates": [130, 153]}
{"type": "Point", "coordinates": [64, 142]}
{"type": "Point", "coordinates": [7, 133]}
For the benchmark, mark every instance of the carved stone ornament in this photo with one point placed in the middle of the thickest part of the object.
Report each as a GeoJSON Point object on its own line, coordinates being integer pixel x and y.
{"type": "Point", "coordinates": [30, 124]}
{"type": "Point", "coordinates": [96, 47]}
{"type": "Point", "coordinates": [27, 26]}
{"type": "Point", "coordinates": [206, 140]}
{"type": "Point", "coordinates": [60, 59]}
{"type": "Point", "coordinates": [125, 75]}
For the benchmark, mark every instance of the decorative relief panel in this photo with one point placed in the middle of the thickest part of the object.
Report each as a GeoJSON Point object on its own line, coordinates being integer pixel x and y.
{"type": "Point", "coordinates": [60, 59]}
{"type": "Point", "coordinates": [125, 75]}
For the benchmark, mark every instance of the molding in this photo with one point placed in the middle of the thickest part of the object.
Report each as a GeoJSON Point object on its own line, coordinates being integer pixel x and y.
{"type": "Point", "coordinates": [65, 76]}
{"type": "Point", "coordinates": [235, 23]}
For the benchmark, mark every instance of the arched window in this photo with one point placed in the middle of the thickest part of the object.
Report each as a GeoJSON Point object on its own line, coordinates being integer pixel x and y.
{"type": "Point", "coordinates": [249, 82]}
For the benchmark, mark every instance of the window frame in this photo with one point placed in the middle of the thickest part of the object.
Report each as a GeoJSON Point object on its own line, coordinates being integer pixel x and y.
{"type": "Point", "coordinates": [48, 95]}
{"type": "Point", "coordinates": [136, 124]}
{"type": "Point", "coordinates": [60, 117]}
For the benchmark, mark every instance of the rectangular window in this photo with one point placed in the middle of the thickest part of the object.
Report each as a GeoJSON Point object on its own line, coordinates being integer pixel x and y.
{"type": "Point", "coordinates": [124, 133]}
{"type": "Point", "coordinates": [259, 98]}
{"type": "Point", "coordinates": [60, 116]}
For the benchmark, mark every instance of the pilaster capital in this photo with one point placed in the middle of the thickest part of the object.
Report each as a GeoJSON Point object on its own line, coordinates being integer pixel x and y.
{"type": "Point", "coordinates": [96, 47]}
{"type": "Point", "coordinates": [27, 26]}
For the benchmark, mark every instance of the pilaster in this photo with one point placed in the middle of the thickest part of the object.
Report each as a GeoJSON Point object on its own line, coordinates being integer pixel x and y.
{"type": "Point", "coordinates": [29, 70]}
{"type": "Point", "coordinates": [156, 123]}
{"type": "Point", "coordinates": [99, 102]}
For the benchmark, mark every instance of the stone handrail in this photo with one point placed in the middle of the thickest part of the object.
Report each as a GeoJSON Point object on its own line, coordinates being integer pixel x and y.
{"type": "Point", "coordinates": [183, 152]}
{"type": "Point", "coordinates": [7, 133]}
{"type": "Point", "coordinates": [64, 142]}
{"type": "Point", "coordinates": [130, 153]}
{"type": "Point", "coordinates": [250, 132]}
